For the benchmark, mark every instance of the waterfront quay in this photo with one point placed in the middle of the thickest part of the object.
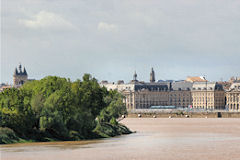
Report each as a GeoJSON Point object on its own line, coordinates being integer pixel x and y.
{"type": "Point", "coordinates": [181, 113]}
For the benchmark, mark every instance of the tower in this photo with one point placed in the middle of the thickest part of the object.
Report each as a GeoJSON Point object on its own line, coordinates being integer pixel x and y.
{"type": "Point", "coordinates": [19, 76]}
{"type": "Point", "coordinates": [152, 76]}
{"type": "Point", "coordinates": [135, 76]}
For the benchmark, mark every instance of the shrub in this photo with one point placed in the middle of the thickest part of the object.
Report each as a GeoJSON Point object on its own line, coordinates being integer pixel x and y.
{"type": "Point", "coordinates": [7, 136]}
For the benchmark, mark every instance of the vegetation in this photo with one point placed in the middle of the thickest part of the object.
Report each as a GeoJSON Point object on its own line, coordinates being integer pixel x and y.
{"type": "Point", "coordinates": [55, 108]}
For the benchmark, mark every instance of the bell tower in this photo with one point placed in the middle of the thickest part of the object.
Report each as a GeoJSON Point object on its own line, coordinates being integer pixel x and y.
{"type": "Point", "coordinates": [135, 76]}
{"type": "Point", "coordinates": [152, 76]}
{"type": "Point", "coordinates": [19, 76]}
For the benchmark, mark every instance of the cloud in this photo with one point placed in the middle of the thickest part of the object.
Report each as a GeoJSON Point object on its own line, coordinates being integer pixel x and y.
{"type": "Point", "coordinates": [102, 26]}
{"type": "Point", "coordinates": [47, 20]}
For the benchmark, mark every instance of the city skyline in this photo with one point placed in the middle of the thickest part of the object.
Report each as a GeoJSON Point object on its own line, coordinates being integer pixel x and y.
{"type": "Point", "coordinates": [134, 77]}
{"type": "Point", "coordinates": [112, 39]}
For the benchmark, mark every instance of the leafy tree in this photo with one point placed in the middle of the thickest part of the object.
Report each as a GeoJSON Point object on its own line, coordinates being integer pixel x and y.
{"type": "Point", "coordinates": [115, 107]}
{"type": "Point", "coordinates": [57, 108]}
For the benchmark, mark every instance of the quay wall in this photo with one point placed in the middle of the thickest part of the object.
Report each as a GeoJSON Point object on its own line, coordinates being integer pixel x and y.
{"type": "Point", "coordinates": [184, 114]}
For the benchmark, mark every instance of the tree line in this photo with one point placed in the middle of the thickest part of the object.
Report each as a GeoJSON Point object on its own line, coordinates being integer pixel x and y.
{"type": "Point", "coordinates": [55, 108]}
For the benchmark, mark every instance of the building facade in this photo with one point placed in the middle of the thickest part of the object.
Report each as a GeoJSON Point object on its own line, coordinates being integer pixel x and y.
{"type": "Point", "coordinates": [195, 92]}
{"type": "Point", "coordinates": [233, 97]}
{"type": "Point", "coordinates": [141, 95]}
{"type": "Point", "coordinates": [180, 94]}
{"type": "Point", "coordinates": [208, 95]}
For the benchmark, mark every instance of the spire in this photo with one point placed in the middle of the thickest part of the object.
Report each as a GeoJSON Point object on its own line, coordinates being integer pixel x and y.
{"type": "Point", "coordinates": [15, 72]}
{"type": "Point", "coordinates": [135, 76]}
{"type": "Point", "coordinates": [152, 76]}
{"type": "Point", "coordinates": [20, 68]}
{"type": "Point", "coordinates": [24, 71]}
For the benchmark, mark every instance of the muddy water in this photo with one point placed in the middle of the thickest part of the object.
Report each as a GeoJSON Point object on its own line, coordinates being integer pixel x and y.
{"type": "Point", "coordinates": [156, 139]}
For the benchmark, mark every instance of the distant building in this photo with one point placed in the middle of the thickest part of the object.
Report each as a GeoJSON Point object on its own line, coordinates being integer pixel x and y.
{"type": "Point", "coordinates": [20, 76]}
{"type": "Point", "coordinates": [208, 95]}
{"type": "Point", "coordinates": [226, 85]}
{"type": "Point", "coordinates": [196, 79]}
{"type": "Point", "coordinates": [194, 92]}
{"type": "Point", "coordinates": [4, 86]}
{"type": "Point", "coordinates": [139, 95]}
{"type": "Point", "coordinates": [180, 94]}
{"type": "Point", "coordinates": [233, 79]}
{"type": "Point", "coordinates": [143, 95]}
{"type": "Point", "coordinates": [233, 97]}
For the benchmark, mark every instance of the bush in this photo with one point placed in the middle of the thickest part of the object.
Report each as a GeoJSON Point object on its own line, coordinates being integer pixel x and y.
{"type": "Point", "coordinates": [7, 136]}
{"type": "Point", "coordinates": [106, 130]}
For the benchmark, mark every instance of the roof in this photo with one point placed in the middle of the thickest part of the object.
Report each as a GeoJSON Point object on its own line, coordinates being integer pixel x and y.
{"type": "Point", "coordinates": [163, 86]}
{"type": "Point", "coordinates": [182, 85]}
{"type": "Point", "coordinates": [196, 79]}
{"type": "Point", "coordinates": [20, 72]}
{"type": "Point", "coordinates": [235, 87]}
{"type": "Point", "coordinates": [211, 86]}
{"type": "Point", "coordinates": [2, 87]}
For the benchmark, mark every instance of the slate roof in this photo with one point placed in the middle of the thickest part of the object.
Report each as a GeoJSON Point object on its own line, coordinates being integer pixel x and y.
{"type": "Point", "coordinates": [209, 85]}
{"type": "Point", "coordinates": [164, 86]}
{"type": "Point", "coordinates": [183, 85]}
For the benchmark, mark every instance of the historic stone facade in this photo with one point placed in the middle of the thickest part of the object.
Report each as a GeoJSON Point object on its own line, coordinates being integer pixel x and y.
{"type": "Point", "coordinates": [139, 95]}
{"type": "Point", "coordinates": [208, 95]}
{"type": "Point", "coordinates": [180, 94]}
{"type": "Point", "coordinates": [196, 92]}
{"type": "Point", "coordinates": [20, 76]}
{"type": "Point", "coordinates": [233, 97]}
{"type": "Point", "coordinates": [142, 95]}
{"type": "Point", "coordinates": [151, 94]}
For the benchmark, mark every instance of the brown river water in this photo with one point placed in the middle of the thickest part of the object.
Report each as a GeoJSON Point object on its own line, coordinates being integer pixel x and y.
{"type": "Point", "coordinates": [155, 139]}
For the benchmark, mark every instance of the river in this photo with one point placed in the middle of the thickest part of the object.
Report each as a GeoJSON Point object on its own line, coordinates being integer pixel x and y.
{"type": "Point", "coordinates": [155, 139]}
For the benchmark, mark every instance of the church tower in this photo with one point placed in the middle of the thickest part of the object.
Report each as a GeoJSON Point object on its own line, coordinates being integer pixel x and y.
{"type": "Point", "coordinates": [19, 76]}
{"type": "Point", "coordinates": [152, 76]}
{"type": "Point", "coordinates": [135, 76]}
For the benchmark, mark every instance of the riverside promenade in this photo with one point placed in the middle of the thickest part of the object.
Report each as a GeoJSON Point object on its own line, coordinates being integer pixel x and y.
{"type": "Point", "coordinates": [181, 113]}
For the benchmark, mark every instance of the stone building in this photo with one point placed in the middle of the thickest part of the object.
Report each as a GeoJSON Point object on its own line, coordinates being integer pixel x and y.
{"type": "Point", "coordinates": [195, 92]}
{"type": "Point", "coordinates": [142, 95]}
{"type": "Point", "coordinates": [4, 86]}
{"type": "Point", "coordinates": [180, 94]}
{"type": "Point", "coordinates": [208, 95]}
{"type": "Point", "coordinates": [20, 76]}
{"type": "Point", "coordinates": [233, 97]}
{"type": "Point", "coordinates": [151, 94]}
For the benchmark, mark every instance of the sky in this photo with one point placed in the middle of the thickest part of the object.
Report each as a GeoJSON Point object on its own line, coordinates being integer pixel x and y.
{"type": "Point", "coordinates": [110, 39]}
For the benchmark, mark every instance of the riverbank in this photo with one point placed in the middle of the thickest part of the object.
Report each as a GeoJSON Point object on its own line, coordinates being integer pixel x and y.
{"type": "Point", "coordinates": [105, 130]}
{"type": "Point", "coordinates": [184, 114]}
